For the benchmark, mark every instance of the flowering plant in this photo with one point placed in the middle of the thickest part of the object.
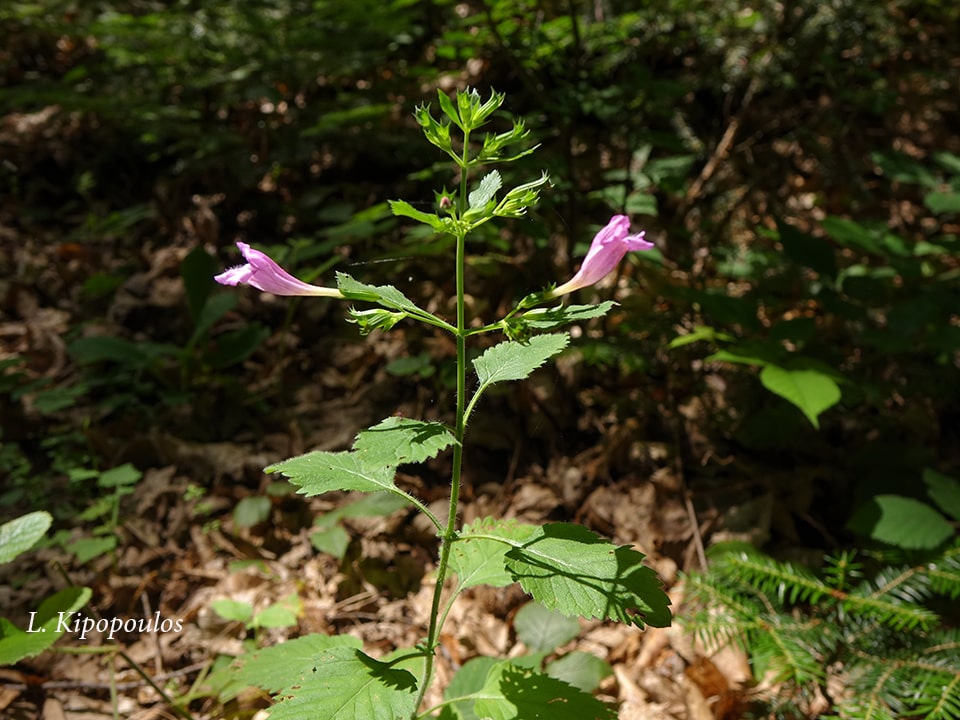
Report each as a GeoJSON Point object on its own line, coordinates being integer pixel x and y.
{"type": "Point", "coordinates": [564, 566]}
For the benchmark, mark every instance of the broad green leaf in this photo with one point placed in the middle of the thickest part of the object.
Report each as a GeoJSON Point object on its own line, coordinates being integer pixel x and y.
{"type": "Point", "coordinates": [514, 360]}
{"type": "Point", "coordinates": [320, 472]}
{"type": "Point", "coordinates": [395, 441]}
{"type": "Point", "coordinates": [233, 610]}
{"type": "Point", "coordinates": [213, 310]}
{"type": "Point", "coordinates": [901, 521]}
{"type": "Point", "coordinates": [469, 680]}
{"type": "Point", "coordinates": [811, 391]}
{"type": "Point", "coordinates": [942, 202]}
{"type": "Point", "coordinates": [22, 533]}
{"type": "Point", "coordinates": [332, 540]}
{"type": "Point", "coordinates": [944, 491]}
{"type": "Point", "coordinates": [98, 348]}
{"type": "Point", "coordinates": [343, 683]}
{"type": "Point", "coordinates": [542, 629]}
{"type": "Point", "coordinates": [52, 619]}
{"type": "Point", "coordinates": [125, 474]}
{"type": "Point", "coordinates": [386, 295]}
{"type": "Point", "coordinates": [512, 693]}
{"type": "Point", "coordinates": [571, 569]}
{"type": "Point", "coordinates": [88, 548]}
{"type": "Point", "coordinates": [235, 346]}
{"type": "Point", "coordinates": [485, 191]}
{"type": "Point", "coordinates": [283, 613]}
{"type": "Point", "coordinates": [479, 561]}
{"type": "Point", "coordinates": [274, 667]}
{"type": "Point", "coordinates": [552, 318]}
{"type": "Point", "coordinates": [405, 209]}
{"type": "Point", "coordinates": [948, 161]}
{"type": "Point", "coordinates": [580, 669]}
{"type": "Point", "coordinates": [251, 511]}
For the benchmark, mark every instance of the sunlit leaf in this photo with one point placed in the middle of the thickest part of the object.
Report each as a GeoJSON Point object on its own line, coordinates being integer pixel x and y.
{"type": "Point", "coordinates": [571, 569]}
{"type": "Point", "coordinates": [398, 440]}
{"type": "Point", "coordinates": [51, 620]}
{"type": "Point", "coordinates": [22, 533]}
{"type": "Point", "coordinates": [542, 629]}
{"type": "Point", "coordinates": [901, 521]}
{"type": "Point", "coordinates": [479, 560]}
{"type": "Point", "coordinates": [513, 692]}
{"type": "Point", "coordinates": [811, 391]}
{"type": "Point", "coordinates": [515, 360]}
{"type": "Point", "coordinates": [320, 472]}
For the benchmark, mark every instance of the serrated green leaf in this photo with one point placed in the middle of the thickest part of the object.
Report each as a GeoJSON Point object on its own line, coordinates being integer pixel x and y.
{"type": "Point", "coordinates": [343, 683]}
{"type": "Point", "coordinates": [405, 209]}
{"type": "Point", "coordinates": [542, 629]}
{"type": "Point", "coordinates": [17, 644]}
{"type": "Point", "coordinates": [811, 391]}
{"type": "Point", "coordinates": [571, 569]}
{"type": "Point", "coordinates": [901, 521]}
{"type": "Point", "coordinates": [580, 669]}
{"type": "Point", "coordinates": [511, 693]}
{"type": "Point", "coordinates": [480, 561]}
{"type": "Point", "coordinates": [484, 193]}
{"type": "Point", "coordinates": [514, 360]}
{"type": "Point", "coordinates": [944, 491]}
{"type": "Point", "coordinates": [22, 533]}
{"type": "Point", "coordinates": [276, 667]}
{"type": "Point", "coordinates": [320, 472]}
{"type": "Point", "coordinates": [552, 318]}
{"type": "Point", "coordinates": [395, 441]}
{"type": "Point", "coordinates": [233, 610]}
{"type": "Point", "coordinates": [386, 295]}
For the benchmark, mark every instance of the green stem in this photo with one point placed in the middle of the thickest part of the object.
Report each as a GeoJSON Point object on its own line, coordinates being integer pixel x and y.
{"type": "Point", "coordinates": [450, 534]}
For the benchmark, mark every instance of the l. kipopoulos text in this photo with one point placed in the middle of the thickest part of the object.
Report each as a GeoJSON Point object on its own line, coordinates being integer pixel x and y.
{"type": "Point", "coordinates": [81, 625]}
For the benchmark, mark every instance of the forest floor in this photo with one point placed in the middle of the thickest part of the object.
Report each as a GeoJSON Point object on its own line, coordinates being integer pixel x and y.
{"type": "Point", "coordinates": [559, 447]}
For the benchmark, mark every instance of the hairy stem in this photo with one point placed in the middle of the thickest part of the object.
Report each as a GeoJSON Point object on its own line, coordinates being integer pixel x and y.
{"type": "Point", "coordinates": [450, 534]}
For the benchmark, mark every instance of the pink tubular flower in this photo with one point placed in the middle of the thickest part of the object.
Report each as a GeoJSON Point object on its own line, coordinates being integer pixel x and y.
{"type": "Point", "coordinates": [264, 274]}
{"type": "Point", "coordinates": [605, 253]}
